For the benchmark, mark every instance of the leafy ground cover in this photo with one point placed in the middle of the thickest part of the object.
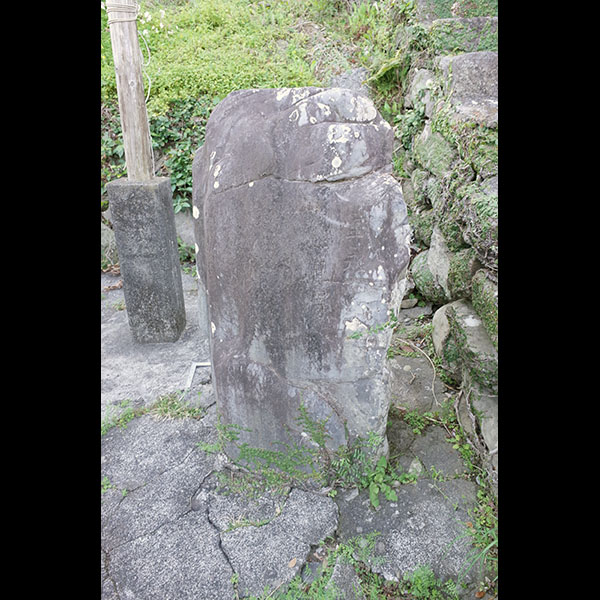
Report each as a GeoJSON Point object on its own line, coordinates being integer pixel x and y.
{"type": "Point", "coordinates": [194, 53]}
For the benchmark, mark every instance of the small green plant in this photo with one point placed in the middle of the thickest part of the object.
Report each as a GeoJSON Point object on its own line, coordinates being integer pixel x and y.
{"type": "Point", "coordinates": [417, 421]}
{"type": "Point", "coordinates": [225, 433]}
{"type": "Point", "coordinates": [353, 467]}
{"type": "Point", "coordinates": [316, 430]}
{"type": "Point", "coordinates": [167, 406]}
{"type": "Point", "coordinates": [391, 323]}
{"type": "Point", "coordinates": [121, 420]}
{"type": "Point", "coordinates": [171, 406]}
{"type": "Point", "coordinates": [459, 442]}
{"type": "Point", "coordinates": [107, 485]}
{"type": "Point", "coordinates": [483, 533]}
{"type": "Point", "coordinates": [186, 252]}
{"type": "Point", "coordinates": [381, 481]}
{"type": "Point", "coordinates": [422, 584]}
{"type": "Point", "coordinates": [120, 305]}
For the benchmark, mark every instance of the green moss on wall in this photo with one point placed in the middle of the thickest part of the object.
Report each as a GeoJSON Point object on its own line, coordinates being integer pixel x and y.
{"type": "Point", "coordinates": [424, 280]}
{"type": "Point", "coordinates": [464, 35]}
{"type": "Point", "coordinates": [481, 366]}
{"type": "Point", "coordinates": [422, 224]}
{"type": "Point", "coordinates": [485, 303]}
{"type": "Point", "coordinates": [463, 265]}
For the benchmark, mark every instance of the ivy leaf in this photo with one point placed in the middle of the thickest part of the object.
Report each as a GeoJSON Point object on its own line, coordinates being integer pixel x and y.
{"type": "Point", "coordinates": [374, 494]}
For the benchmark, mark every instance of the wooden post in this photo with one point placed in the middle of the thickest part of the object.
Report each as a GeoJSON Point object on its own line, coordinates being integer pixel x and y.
{"type": "Point", "coordinates": [137, 142]}
{"type": "Point", "coordinates": [142, 206]}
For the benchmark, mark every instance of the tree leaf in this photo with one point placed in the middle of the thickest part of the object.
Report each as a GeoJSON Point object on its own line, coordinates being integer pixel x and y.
{"type": "Point", "coordinates": [292, 563]}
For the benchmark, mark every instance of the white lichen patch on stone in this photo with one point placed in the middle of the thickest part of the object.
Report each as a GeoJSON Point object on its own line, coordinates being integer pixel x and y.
{"type": "Point", "coordinates": [216, 184]}
{"type": "Point", "coordinates": [325, 108]}
{"type": "Point", "coordinates": [338, 133]}
{"type": "Point", "coordinates": [195, 212]}
{"type": "Point", "coordinates": [196, 248]}
{"type": "Point", "coordinates": [217, 171]}
{"type": "Point", "coordinates": [213, 327]}
{"type": "Point", "coordinates": [282, 94]}
{"type": "Point", "coordinates": [336, 162]}
{"type": "Point", "coordinates": [354, 325]}
{"type": "Point", "coordinates": [471, 321]}
{"type": "Point", "coordinates": [302, 114]}
{"type": "Point", "coordinates": [299, 94]}
{"type": "Point", "coordinates": [365, 109]}
{"type": "Point", "coordinates": [251, 184]}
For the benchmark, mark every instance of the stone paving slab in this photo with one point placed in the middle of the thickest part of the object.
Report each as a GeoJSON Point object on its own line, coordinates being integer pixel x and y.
{"type": "Point", "coordinates": [137, 374]}
{"type": "Point", "coordinates": [424, 527]}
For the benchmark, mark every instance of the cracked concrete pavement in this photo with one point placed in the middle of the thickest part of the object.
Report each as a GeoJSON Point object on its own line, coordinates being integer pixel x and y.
{"type": "Point", "coordinates": [169, 532]}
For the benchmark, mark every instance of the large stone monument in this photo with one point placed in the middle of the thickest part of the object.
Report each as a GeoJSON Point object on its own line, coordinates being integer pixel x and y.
{"type": "Point", "coordinates": [302, 249]}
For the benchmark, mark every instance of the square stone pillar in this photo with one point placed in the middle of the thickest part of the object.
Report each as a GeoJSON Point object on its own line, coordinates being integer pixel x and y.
{"type": "Point", "coordinates": [144, 224]}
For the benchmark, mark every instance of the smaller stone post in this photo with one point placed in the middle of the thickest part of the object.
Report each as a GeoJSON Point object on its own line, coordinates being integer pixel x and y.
{"type": "Point", "coordinates": [142, 205]}
{"type": "Point", "coordinates": [144, 224]}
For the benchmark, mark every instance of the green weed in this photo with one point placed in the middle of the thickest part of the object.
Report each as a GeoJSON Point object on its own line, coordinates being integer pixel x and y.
{"type": "Point", "coordinates": [166, 406]}
{"type": "Point", "coordinates": [422, 584]}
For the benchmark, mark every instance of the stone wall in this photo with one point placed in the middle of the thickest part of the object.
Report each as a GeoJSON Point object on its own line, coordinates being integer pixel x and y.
{"type": "Point", "coordinates": [448, 154]}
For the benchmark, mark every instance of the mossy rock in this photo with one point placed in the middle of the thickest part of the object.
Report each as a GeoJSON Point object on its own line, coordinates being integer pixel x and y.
{"type": "Point", "coordinates": [439, 9]}
{"type": "Point", "coordinates": [422, 225]}
{"type": "Point", "coordinates": [479, 220]}
{"type": "Point", "coordinates": [418, 180]}
{"type": "Point", "coordinates": [463, 266]}
{"type": "Point", "coordinates": [434, 152]}
{"type": "Point", "coordinates": [108, 247]}
{"type": "Point", "coordinates": [484, 297]}
{"type": "Point", "coordinates": [450, 223]}
{"type": "Point", "coordinates": [470, 34]}
{"type": "Point", "coordinates": [477, 353]}
{"type": "Point", "coordinates": [462, 343]}
{"type": "Point", "coordinates": [425, 281]}
{"type": "Point", "coordinates": [436, 192]}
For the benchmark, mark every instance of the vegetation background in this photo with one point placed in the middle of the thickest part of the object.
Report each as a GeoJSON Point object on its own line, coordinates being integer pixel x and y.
{"type": "Point", "coordinates": [196, 52]}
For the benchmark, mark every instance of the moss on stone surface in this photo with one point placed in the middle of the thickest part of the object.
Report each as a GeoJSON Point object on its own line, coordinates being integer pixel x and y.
{"type": "Point", "coordinates": [424, 280]}
{"type": "Point", "coordinates": [479, 221]}
{"type": "Point", "coordinates": [418, 180]}
{"type": "Point", "coordinates": [485, 303]}
{"type": "Point", "coordinates": [434, 152]}
{"type": "Point", "coordinates": [450, 223]}
{"type": "Point", "coordinates": [481, 365]}
{"type": "Point", "coordinates": [422, 225]}
{"type": "Point", "coordinates": [464, 35]}
{"type": "Point", "coordinates": [463, 265]}
{"type": "Point", "coordinates": [440, 9]}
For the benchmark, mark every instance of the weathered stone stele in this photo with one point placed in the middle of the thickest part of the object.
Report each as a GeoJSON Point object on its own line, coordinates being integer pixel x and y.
{"type": "Point", "coordinates": [302, 247]}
